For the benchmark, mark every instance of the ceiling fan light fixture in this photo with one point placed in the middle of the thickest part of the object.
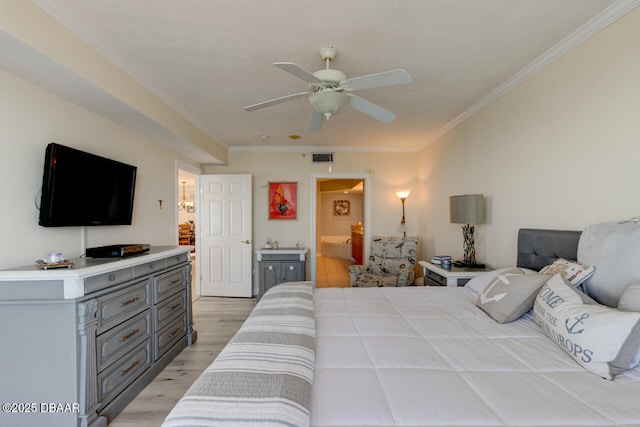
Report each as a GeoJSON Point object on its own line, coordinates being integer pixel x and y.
{"type": "Point", "coordinates": [328, 101]}
{"type": "Point", "coordinates": [329, 90]}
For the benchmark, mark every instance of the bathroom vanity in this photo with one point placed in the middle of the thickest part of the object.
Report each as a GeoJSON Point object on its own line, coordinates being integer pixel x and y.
{"type": "Point", "coordinates": [280, 265]}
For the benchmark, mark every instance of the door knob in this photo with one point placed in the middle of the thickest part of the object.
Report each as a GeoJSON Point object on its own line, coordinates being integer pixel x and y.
{"type": "Point", "coordinates": [246, 241]}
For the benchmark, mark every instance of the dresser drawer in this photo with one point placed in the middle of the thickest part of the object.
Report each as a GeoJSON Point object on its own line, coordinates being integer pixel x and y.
{"type": "Point", "coordinates": [149, 267]}
{"type": "Point", "coordinates": [122, 373]}
{"type": "Point", "coordinates": [177, 259]}
{"type": "Point", "coordinates": [118, 341]}
{"type": "Point", "coordinates": [169, 335]}
{"type": "Point", "coordinates": [168, 284]}
{"type": "Point", "coordinates": [461, 281]}
{"type": "Point", "coordinates": [434, 279]}
{"type": "Point", "coordinates": [119, 306]}
{"type": "Point", "coordinates": [112, 278]}
{"type": "Point", "coordinates": [170, 308]}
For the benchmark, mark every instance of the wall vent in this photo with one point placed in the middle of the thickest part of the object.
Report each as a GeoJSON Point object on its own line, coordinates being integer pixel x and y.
{"type": "Point", "coordinates": [322, 157]}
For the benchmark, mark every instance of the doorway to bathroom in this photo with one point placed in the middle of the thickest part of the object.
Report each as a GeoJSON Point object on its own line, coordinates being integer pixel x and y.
{"type": "Point", "coordinates": [341, 213]}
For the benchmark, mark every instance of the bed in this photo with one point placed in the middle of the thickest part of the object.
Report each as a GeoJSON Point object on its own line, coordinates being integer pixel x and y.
{"type": "Point", "coordinates": [428, 356]}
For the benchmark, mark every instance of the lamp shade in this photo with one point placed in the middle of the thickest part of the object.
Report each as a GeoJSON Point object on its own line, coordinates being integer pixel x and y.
{"type": "Point", "coordinates": [467, 209]}
{"type": "Point", "coordinates": [403, 194]}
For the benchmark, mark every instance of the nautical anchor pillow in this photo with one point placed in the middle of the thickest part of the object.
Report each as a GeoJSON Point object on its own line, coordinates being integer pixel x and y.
{"type": "Point", "coordinates": [601, 339]}
{"type": "Point", "coordinates": [510, 294]}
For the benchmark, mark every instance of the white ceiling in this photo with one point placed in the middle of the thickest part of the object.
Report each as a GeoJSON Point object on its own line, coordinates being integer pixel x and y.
{"type": "Point", "coordinates": [210, 58]}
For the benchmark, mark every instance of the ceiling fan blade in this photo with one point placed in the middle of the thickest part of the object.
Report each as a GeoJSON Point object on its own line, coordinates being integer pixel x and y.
{"type": "Point", "coordinates": [386, 78]}
{"type": "Point", "coordinates": [298, 71]}
{"type": "Point", "coordinates": [315, 122]}
{"type": "Point", "coordinates": [274, 101]}
{"type": "Point", "coordinates": [371, 109]}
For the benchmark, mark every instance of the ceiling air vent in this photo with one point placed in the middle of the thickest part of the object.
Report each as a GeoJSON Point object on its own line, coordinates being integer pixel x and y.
{"type": "Point", "coordinates": [322, 158]}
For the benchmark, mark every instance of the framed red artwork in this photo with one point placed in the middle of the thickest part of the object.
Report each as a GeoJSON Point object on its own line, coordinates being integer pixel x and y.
{"type": "Point", "coordinates": [283, 200]}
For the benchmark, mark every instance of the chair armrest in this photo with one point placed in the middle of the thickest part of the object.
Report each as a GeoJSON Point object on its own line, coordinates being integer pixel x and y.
{"type": "Point", "coordinates": [407, 277]}
{"type": "Point", "coordinates": [355, 271]}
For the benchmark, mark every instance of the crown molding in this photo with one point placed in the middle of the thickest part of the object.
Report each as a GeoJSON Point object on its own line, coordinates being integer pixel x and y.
{"type": "Point", "coordinates": [611, 14]}
{"type": "Point", "coordinates": [321, 148]}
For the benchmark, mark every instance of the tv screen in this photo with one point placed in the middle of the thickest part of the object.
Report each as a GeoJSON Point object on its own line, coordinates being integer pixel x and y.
{"type": "Point", "coordinates": [80, 189]}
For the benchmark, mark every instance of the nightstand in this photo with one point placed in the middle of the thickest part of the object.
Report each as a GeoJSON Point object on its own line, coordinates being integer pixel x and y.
{"type": "Point", "coordinates": [434, 275]}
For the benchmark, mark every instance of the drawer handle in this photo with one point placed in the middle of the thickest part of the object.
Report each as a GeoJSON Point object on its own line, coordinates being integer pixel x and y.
{"type": "Point", "coordinates": [173, 282]}
{"type": "Point", "coordinates": [151, 265]}
{"type": "Point", "coordinates": [130, 368]}
{"type": "Point", "coordinates": [126, 337]}
{"type": "Point", "coordinates": [131, 301]}
{"type": "Point", "coordinates": [174, 307]}
{"type": "Point", "coordinates": [175, 332]}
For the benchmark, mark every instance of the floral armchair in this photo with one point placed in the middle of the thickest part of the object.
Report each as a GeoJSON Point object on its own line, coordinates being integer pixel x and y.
{"type": "Point", "coordinates": [391, 263]}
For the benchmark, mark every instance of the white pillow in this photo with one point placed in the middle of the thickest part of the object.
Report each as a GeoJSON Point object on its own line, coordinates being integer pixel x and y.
{"type": "Point", "coordinates": [572, 271]}
{"type": "Point", "coordinates": [630, 298]}
{"type": "Point", "coordinates": [483, 279]}
{"type": "Point", "coordinates": [603, 340]}
{"type": "Point", "coordinates": [614, 247]}
{"type": "Point", "coordinates": [630, 301]}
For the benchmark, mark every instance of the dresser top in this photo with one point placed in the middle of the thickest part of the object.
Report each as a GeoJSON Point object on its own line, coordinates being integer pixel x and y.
{"type": "Point", "coordinates": [82, 268]}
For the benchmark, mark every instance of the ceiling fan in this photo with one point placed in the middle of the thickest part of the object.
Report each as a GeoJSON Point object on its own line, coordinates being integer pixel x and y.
{"type": "Point", "coordinates": [329, 90]}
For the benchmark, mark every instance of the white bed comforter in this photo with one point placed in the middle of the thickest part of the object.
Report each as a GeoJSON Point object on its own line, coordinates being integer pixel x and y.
{"type": "Point", "coordinates": [427, 356]}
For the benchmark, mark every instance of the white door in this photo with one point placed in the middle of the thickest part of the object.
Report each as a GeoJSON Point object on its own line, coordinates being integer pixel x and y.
{"type": "Point", "coordinates": [225, 235]}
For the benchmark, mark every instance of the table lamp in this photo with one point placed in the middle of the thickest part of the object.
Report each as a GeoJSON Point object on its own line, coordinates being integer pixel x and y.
{"type": "Point", "coordinates": [467, 209]}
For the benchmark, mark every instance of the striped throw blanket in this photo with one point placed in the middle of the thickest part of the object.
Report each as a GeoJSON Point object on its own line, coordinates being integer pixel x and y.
{"type": "Point", "coordinates": [263, 376]}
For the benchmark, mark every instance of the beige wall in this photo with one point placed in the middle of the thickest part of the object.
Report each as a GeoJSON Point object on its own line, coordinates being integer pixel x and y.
{"type": "Point", "coordinates": [330, 224]}
{"type": "Point", "coordinates": [388, 172]}
{"type": "Point", "coordinates": [30, 118]}
{"type": "Point", "coordinates": [41, 36]}
{"type": "Point", "coordinates": [559, 151]}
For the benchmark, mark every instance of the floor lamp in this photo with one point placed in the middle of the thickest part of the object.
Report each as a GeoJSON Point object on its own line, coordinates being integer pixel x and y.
{"type": "Point", "coordinates": [469, 210]}
{"type": "Point", "coordinates": [402, 195]}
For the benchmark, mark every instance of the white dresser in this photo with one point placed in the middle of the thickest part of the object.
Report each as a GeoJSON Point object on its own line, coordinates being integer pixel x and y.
{"type": "Point", "coordinates": [79, 344]}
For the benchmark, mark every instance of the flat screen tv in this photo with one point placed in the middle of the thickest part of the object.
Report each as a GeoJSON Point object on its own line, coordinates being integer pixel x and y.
{"type": "Point", "coordinates": [82, 189]}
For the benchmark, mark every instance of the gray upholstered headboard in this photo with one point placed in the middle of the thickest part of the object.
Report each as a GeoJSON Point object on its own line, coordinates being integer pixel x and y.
{"type": "Point", "coordinates": [537, 248]}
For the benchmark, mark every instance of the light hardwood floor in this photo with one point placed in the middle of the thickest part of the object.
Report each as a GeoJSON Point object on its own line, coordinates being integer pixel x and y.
{"type": "Point", "coordinates": [216, 320]}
